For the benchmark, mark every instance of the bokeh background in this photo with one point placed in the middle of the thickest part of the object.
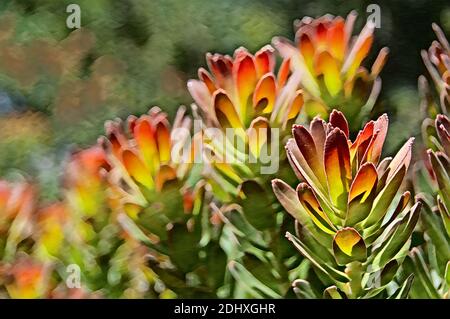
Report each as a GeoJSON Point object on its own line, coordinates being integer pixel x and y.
{"type": "Point", "coordinates": [58, 86]}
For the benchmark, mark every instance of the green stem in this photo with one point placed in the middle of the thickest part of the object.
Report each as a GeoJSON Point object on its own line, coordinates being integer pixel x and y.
{"type": "Point", "coordinates": [355, 271]}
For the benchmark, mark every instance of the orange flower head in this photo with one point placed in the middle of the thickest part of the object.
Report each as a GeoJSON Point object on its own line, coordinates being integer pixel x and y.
{"type": "Point", "coordinates": [145, 161]}
{"type": "Point", "coordinates": [329, 62]}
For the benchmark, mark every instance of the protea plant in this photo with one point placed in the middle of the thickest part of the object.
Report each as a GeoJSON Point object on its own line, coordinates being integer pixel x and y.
{"type": "Point", "coordinates": [162, 205]}
{"type": "Point", "coordinates": [112, 264]}
{"type": "Point", "coordinates": [80, 236]}
{"type": "Point", "coordinates": [247, 105]}
{"type": "Point", "coordinates": [430, 260]}
{"type": "Point", "coordinates": [431, 263]}
{"type": "Point", "coordinates": [144, 165]}
{"type": "Point", "coordinates": [244, 95]}
{"type": "Point", "coordinates": [41, 242]}
{"type": "Point", "coordinates": [436, 60]}
{"type": "Point", "coordinates": [329, 60]}
{"type": "Point", "coordinates": [83, 211]}
{"type": "Point", "coordinates": [352, 223]}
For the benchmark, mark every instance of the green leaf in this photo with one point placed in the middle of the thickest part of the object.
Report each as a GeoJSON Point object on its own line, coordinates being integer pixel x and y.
{"type": "Point", "coordinates": [241, 227]}
{"type": "Point", "coordinates": [442, 176]}
{"type": "Point", "coordinates": [195, 175]}
{"type": "Point", "coordinates": [333, 274]}
{"type": "Point", "coordinates": [303, 290]}
{"type": "Point", "coordinates": [348, 246]}
{"type": "Point", "coordinates": [434, 229]}
{"type": "Point", "coordinates": [388, 273]}
{"type": "Point", "coordinates": [318, 246]}
{"type": "Point", "coordinates": [154, 222]}
{"type": "Point", "coordinates": [403, 291]}
{"type": "Point", "coordinates": [447, 275]}
{"type": "Point", "coordinates": [262, 270]}
{"type": "Point", "coordinates": [333, 293]}
{"type": "Point", "coordinates": [289, 200]}
{"type": "Point", "coordinates": [395, 241]}
{"type": "Point", "coordinates": [253, 286]}
{"type": "Point", "coordinates": [216, 264]}
{"type": "Point", "coordinates": [170, 202]}
{"type": "Point", "coordinates": [417, 290]}
{"type": "Point", "coordinates": [445, 214]}
{"type": "Point", "coordinates": [183, 247]}
{"type": "Point", "coordinates": [257, 205]}
{"type": "Point", "coordinates": [130, 227]}
{"type": "Point", "coordinates": [423, 274]}
{"type": "Point", "coordinates": [384, 199]}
